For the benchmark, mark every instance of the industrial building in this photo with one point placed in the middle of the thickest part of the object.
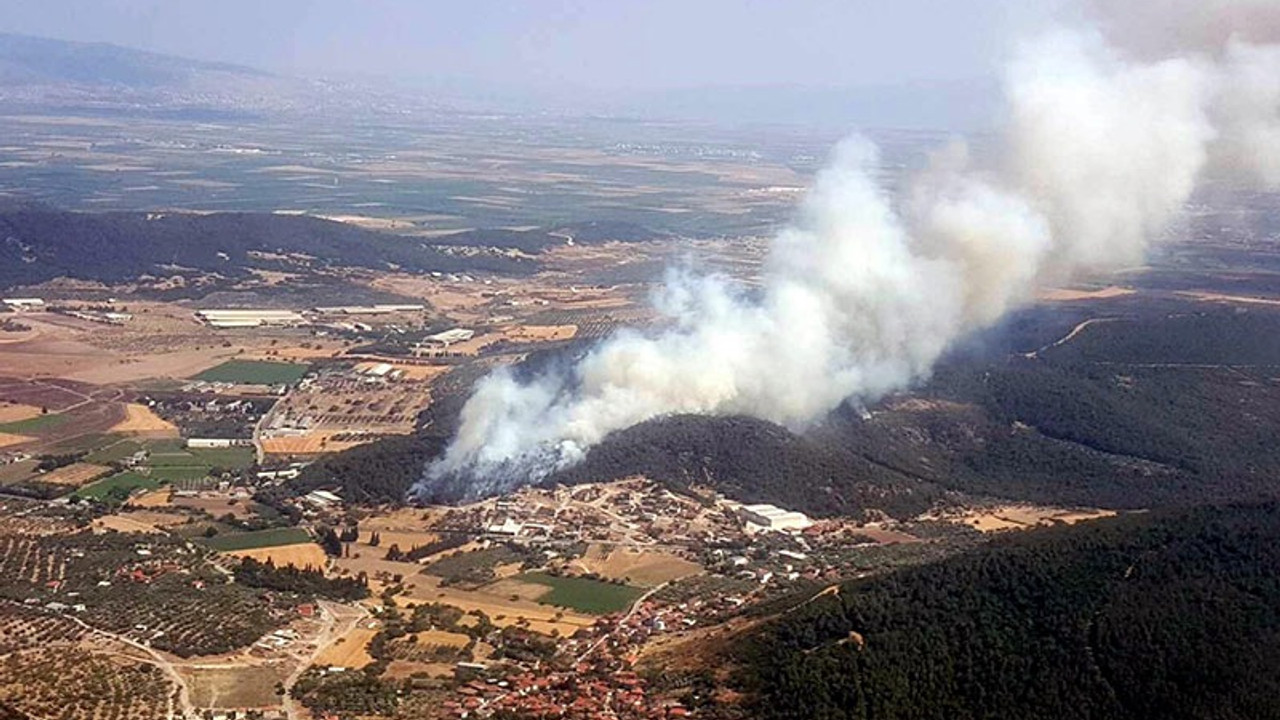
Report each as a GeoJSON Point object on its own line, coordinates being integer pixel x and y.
{"type": "Point", "coordinates": [771, 517]}
{"type": "Point", "coordinates": [250, 318]}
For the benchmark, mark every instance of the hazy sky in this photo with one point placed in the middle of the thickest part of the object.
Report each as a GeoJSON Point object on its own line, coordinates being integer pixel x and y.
{"type": "Point", "coordinates": [617, 44]}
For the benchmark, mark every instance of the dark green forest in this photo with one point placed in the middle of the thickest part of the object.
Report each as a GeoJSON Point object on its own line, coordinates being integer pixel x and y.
{"type": "Point", "coordinates": [1169, 615]}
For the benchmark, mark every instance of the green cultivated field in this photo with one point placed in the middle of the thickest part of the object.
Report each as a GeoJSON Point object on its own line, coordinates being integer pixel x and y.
{"type": "Point", "coordinates": [582, 594]}
{"type": "Point", "coordinates": [234, 458]}
{"type": "Point", "coordinates": [254, 372]}
{"type": "Point", "coordinates": [33, 424]}
{"type": "Point", "coordinates": [259, 539]}
{"type": "Point", "coordinates": [128, 480]}
{"type": "Point", "coordinates": [180, 472]}
{"type": "Point", "coordinates": [113, 453]}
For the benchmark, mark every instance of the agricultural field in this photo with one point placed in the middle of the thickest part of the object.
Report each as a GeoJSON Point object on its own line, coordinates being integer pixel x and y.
{"type": "Point", "coordinates": [74, 475]}
{"type": "Point", "coordinates": [240, 686]}
{"type": "Point", "coordinates": [114, 452]}
{"type": "Point", "coordinates": [33, 424]}
{"type": "Point", "coordinates": [22, 628]}
{"type": "Point", "coordinates": [300, 555]}
{"type": "Point", "coordinates": [255, 372]}
{"type": "Point", "coordinates": [261, 539]}
{"type": "Point", "coordinates": [65, 682]}
{"type": "Point", "coordinates": [149, 587]}
{"type": "Point", "coordinates": [643, 568]}
{"type": "Point", "coordinates": [121, 483]}
{"type": "Point", "coordinates": [350, 650]}
{"type": "Point", "coordinates": [582, 594]}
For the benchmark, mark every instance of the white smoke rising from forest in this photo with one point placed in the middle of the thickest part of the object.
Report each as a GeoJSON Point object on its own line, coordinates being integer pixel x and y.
{"type": "Point", "coordinates": [864, 292]}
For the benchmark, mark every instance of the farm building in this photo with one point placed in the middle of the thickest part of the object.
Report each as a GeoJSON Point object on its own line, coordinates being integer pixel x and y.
{"type": "Point", "coordinates": [449, 337]}
{"type": "Point", "coordinates": [771, 517]}
{"type": "Point", "coordinates": [218, 442]}
{"type": "Point", "coordinates": [21, 304]}
{"type": "Point", "coordinates": [368, 309]}
{"type": "Point", "coordinates": [250, 318]}
{"type": "Point", "coordinates": [322, 498]}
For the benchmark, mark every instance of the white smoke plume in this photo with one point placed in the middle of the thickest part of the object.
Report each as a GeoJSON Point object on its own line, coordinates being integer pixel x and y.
{"type": "Point", "coordinates": [1103, 146]}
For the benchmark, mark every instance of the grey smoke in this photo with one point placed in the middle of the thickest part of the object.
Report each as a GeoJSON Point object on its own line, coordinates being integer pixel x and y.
{"type": "Point", "coordinates": [1104, 145]}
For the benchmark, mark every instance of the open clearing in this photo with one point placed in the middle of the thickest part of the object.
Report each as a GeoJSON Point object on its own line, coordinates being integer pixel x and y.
{"type": "Point", "coordinates": [74, 475]}
{"type": "Point", "coordinates": [645, 568]}
{"type": "Point", "coordinates": [234, 686]}
{"type": "Point", "coordinates": [7, 439]}
{"type": "Point", "coordinates": [1068, 294]}
{"type": "Point", "coordinates": [300, 555]}
{"type": "Point", "coordinates": [501, 609]}
{"type": "Point", "coordinates": [141, 420]}
{"type": "Point", "coordinates": [310, 444]}
{"type": "Point", "coordinates": [254, 372]}
{"type": "Point", "coordinates": [350, 650]}
{"type": "Point", "coordinates": [1021, 517]}
{"type": "Point", "coordinates": [13, 412]}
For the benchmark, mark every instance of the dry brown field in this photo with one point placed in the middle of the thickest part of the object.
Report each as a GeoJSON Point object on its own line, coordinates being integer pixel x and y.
{"type": "Point", "coordinates": [311, 444]}
{"type": "Point", "coordinates": [140, 419]}
{"type": "Point", "coordinates": [124, 524]}
{"type": "Point", "coordinates": [1020, 517]}
{"type": "Point", "coordinates": [645, 568]}
{"type": "Point", "coordinates": [501, 609]}
{"type": "Point", "coordinates": [442, 638]}
{"type": "Point", "coordinates": [13, 412]}
{"type": "Point", "coordinates": [300, 555]}
{"type": "Point", "coordinates": [214, 503]}
{"type": "Point", "coordinates": [74, 475]}
{"type": "Point", "coordinates": [154, 499]}
{"type": "Point", "coordinates": [233, 686]}
{"type": "Point", "coordinates": [9, 439]}
{"type": "Point", "coordinates": [351, 650]}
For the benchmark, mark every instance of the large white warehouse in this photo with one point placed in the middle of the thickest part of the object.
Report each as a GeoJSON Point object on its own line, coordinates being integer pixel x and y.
{"type": "Point", "coordinates": [772, 517]}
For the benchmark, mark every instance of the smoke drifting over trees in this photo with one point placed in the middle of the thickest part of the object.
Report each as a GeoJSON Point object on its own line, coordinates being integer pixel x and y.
{"type": "Point", "coordinates": [1107, 132]}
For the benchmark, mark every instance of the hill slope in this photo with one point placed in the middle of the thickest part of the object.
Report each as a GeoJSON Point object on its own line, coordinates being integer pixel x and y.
{"type": "Point", "coordinates": [39, 244]}
{"type": "Point", "coordinates": [1169, 616]}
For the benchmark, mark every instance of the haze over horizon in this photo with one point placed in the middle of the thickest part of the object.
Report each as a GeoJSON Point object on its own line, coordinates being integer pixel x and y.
{"type": "Point", "coordinates": [597, 55]}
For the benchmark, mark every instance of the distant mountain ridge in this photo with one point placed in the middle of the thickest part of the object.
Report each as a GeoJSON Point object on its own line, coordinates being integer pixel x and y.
{"type": "Point", "coordinates": [27, 60]}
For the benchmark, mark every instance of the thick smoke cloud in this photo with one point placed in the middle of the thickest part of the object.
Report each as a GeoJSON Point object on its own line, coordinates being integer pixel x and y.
{"type": "Point", "coordinates": [1103, 146]}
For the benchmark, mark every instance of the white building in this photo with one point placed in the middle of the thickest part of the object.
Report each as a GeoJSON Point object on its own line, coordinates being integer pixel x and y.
{"type": "Point", "coordinates": [449, 337]}
{"type": "Point", "coordinates": [772, 517]}
{"type": "Point", "coordinates": [21, 304]}
{"type": "Point", "coordinates": [250, 318]}
{"type": "Point", "coordinates": [217, 442]}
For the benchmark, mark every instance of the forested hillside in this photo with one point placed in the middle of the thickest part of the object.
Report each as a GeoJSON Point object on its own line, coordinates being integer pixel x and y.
{"type": "Point", "coordinates": [1151, 616]}
{"type": "Point", "coordinates": [38, 243]}
{"type": "Point", "coordinates": [754, 461]}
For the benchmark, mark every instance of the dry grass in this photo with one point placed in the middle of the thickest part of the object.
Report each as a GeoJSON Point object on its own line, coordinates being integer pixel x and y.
{"type": "Point", "coordinates": [8, 439]}
{"type": "Point", "coordinates": [442, 638]}
{"type": "Point", "coordinates": [141, 419]}
{"type": "Point", "coordinates": [501, 609]}
{"type": "Point", "coordinates": [300, 555]}
{"type": "Point", "coordinates": [311, 444]}
{"type": "Point", "coordinates": [233, 686]}
{"type": "Point", "coordinates": [124, 524]}
{"type": "Point", "coordinates": [13, 412]}
{"type": "Point", "coordinates": [1067, 294]}
{"type": "Point", "coordinates": [645, 568]}
{"type": "Point", "coordinates": [349, 651]}
{"type": "Point", "coordinates": [153, 499]}
{"type": "Point", "coordinates": [1021, 517]}
{"type": "Point", "coordinates": [74, 475]}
